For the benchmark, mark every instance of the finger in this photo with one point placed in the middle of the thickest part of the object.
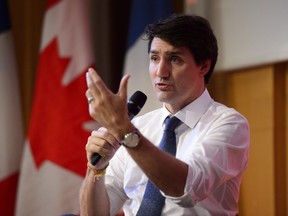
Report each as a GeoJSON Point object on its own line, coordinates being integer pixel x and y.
{"type": "Point", "coordinates": [88, 93]}
{"type": "Point", "coordinates": [96, 132]}
{"type": "Point", "coordinates": [95, 142]}
{"type": "Point", "coordinates": [105, 135]}
{"type": "Point", "coordinates": [100, 146]}
{"type": "Point", "coordinates": [124, 86]}
{"type": "Point", "coordinates": [93, 86]}
{"type": "Point", "coordinates": [94, 145]}
{"type": "Point", "coordinates": [93, 92]}
{"type": "Point", "coordinates": [89, 96]}
{"type": "Point", "coordinates": [99, 85]}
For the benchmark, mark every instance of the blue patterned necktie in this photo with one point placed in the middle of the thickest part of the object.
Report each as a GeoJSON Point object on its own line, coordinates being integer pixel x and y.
{"type": "Point", "coordinates": [153, 201]}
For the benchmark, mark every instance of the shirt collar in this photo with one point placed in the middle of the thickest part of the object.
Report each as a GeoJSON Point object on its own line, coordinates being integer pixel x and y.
{"type": "Point", "coordinates": [191, 113]}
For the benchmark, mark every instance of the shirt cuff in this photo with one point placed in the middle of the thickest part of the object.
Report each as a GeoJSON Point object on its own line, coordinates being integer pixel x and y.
{"type": "Point", "coordinates": [188, 199]}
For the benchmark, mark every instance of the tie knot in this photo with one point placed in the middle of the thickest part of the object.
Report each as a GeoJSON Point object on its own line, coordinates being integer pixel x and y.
{"type": "Point", "coordinates": [171, 123]}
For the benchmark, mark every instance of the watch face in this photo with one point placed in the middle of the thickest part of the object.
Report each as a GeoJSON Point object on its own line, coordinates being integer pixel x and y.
{"type": "Point", "coordinates": [131, 139]}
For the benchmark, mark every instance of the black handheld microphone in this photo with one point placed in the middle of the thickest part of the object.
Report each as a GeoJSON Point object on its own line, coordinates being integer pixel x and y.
{"type": "Point", "coordinates": [135, 104]}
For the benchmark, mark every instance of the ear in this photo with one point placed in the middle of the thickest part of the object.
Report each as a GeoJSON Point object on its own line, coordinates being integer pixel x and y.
{"type": "Point", "coordinates": [205, 67]}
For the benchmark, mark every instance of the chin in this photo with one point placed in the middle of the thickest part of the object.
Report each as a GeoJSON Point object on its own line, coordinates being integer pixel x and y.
{"type": "Point", "coordinates": [164, 97]}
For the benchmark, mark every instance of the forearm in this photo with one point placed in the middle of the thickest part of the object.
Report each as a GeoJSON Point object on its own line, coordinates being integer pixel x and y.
{"type": "Point", "coordinates": [94, 199]}
{"type": "Point", "coordinates": [165, 171]}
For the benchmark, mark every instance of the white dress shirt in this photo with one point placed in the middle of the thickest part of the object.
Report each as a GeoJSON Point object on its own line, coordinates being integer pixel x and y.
{"type": "Point", "coordinates": [213, 140]}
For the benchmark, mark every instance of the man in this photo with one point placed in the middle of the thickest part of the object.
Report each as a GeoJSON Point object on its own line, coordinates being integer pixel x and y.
{"type": "Point", "coordinates": [204, 176]}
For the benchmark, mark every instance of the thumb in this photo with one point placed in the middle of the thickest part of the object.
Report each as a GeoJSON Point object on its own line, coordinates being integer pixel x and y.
{"type": "Point", "coordinates": [123, 86]}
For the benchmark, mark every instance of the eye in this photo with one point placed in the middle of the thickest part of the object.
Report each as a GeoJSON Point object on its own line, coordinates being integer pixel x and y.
{"type": "Point", "coordinates": [175, 59]}
{"type": "Point", "coordinates": [154, 58]}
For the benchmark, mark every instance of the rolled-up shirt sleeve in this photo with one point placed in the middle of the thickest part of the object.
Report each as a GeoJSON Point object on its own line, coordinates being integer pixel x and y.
{"type": "Point", "coordinates": [216, 152]}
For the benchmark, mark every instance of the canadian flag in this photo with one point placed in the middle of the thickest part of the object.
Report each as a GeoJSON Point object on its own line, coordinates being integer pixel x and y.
{"type": "Point", "coordinates": [11, 128]}
{"type": "Point", "coordinates": [54, 159]}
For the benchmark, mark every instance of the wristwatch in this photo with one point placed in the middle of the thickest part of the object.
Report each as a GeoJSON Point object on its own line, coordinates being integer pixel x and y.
{"type": "Point", "coordinates": [131, 140]}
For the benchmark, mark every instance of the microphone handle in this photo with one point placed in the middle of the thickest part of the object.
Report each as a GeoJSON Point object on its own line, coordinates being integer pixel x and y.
{"type": "Point", "coordinates": [95, 158]}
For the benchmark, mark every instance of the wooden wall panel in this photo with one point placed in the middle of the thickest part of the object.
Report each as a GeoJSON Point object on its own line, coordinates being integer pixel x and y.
{"type": "Point", "coordinates": [286, 133]}
{"type": "Point", "coordinates": [260, 94]}
{"type": "Point", "coordinates": [279, 138]}
{"type": "Point", "coordinates": [26, 20]}
{"type": "Point", "coordinates": [251, 93]}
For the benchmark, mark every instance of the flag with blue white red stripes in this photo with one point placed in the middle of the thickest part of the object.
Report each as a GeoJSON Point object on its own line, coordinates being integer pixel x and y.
{"type": "Point", "coordinates": [11, 130]}
{"type": "Point", "coordinates": [143, 12]}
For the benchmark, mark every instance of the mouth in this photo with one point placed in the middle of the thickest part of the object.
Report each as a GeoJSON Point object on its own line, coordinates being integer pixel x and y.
{"type": "Point", "coordinates": [162, 86]}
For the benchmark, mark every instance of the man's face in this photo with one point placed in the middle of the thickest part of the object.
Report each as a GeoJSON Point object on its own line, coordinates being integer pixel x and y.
{"type": "Point", "coordinates": [175, 76]}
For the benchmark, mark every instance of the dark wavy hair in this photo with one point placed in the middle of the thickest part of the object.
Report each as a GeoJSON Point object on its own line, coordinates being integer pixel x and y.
{"type": "Point", "coordinates": [191, 31]}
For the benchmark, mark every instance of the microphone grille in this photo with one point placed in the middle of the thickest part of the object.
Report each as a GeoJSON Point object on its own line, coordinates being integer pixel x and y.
{"type": "Point", "coordinates": [136, 102]}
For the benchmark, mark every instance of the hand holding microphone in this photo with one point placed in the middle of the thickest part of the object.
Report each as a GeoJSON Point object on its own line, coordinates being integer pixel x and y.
{"type": "Point", "coordinates": [108, 109]}
{"type": "Point", "coordinates": [135, 104]}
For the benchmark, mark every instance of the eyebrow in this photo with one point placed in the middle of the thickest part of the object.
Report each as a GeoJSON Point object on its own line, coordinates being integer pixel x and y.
{"type": "Point", "coordinates": [168, 53]}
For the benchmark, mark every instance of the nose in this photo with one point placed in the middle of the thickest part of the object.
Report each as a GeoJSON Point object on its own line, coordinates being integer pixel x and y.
{"type": "Point", "coordinates": [163, 69]}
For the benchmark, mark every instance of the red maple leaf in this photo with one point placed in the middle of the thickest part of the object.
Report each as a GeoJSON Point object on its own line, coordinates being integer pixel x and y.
{"type": "Point", "coordinates": [51, 3]}
{"type": "Point", "coordinates": [8, 188]}
{"type": "Point", "coordinates": [56, 129]}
